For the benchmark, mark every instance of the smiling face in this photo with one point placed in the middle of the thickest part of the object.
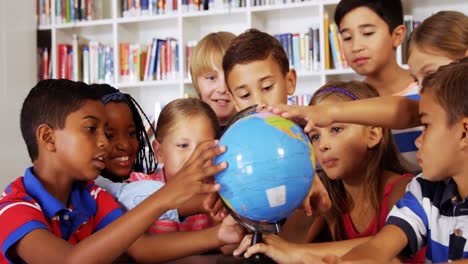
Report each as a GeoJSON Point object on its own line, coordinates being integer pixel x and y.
{"type": "Point", "coordinates": [367, 44]}
{"type": "Point", "coordinates": [81, 146]}
{"type": "Point", "coordinates": [260, 82]}
{"type": "Point", "coordinates": [212, 89]}
{"type": "Point", "coordinates": [123, 141]}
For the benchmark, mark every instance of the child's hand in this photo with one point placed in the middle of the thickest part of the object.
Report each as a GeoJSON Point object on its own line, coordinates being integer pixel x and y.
{"type": "Point", "coordinates": [309, 116]}
{"type": "Point", "coordinates": [277, 249]}
{"type": "Point", "coordinates": [213, 205]}
{"type": "Point", "coordinates": [230, 232]}
{"type": "Point", "coordinates": [191, 179]}
{"type": "Point", "coordinates": [317, 199]}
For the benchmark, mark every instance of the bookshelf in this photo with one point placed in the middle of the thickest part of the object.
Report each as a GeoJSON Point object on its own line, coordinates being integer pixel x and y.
{"type": "Point", "coordinates": [186, 24]}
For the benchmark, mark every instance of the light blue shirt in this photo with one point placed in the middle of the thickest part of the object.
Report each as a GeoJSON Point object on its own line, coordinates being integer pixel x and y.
{"type": "Point", "coordinates": [131, 194]}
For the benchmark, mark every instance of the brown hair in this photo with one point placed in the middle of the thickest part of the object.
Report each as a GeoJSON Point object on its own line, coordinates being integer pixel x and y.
{"type": "Point", "coordinates": [210, 50]}
{"type": "Point", "coordinates": [449, 83]}
{"type": "Point", "coordinates": [382, 157]}
{"type": "Point", "coordinates": [254, 45]}
{"type": "Point", "coordinates": [181, 109]}
{"type": "Point", "coordinates": [445, 31]}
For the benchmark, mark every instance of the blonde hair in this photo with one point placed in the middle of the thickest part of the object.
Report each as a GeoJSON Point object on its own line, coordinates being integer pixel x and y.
{"type": "Point", "coordinates": [445, 31]}
{"type": "Point", "coordinates": [180, 110]}
{"type": "Point", "coordinates": [210, 50]}
{"type": "Point", "coordinates": [384, 156]}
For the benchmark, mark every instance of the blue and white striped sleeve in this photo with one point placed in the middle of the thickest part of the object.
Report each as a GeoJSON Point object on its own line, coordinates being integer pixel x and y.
{"type": "Point", "coordinates": [409, 215]}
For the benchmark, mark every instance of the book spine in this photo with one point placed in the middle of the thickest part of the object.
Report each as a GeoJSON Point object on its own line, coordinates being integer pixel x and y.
{"type": "Point", "coordinates": [76, 71]}
{"type": "Point", "coordinates": [295, 52]}
{"type": "Point", "coordinates": [86, 64]}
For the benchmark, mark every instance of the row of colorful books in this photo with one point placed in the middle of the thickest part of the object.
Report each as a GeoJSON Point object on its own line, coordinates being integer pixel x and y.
{"type": "Point", "coordinates": [200, 5]}
{"type": "Point", "coordinates": [275, 2]}
{"type": "Point", "coordinates": [157, 61]}
{"type": "Point", "coordinates": [67, 11]}
{"type": "Point", "coordinates": [135, 8]}
{"type": "Point", "coordinates": [303, 49]}
{"type": "Point", "coordinates": [90, 63]}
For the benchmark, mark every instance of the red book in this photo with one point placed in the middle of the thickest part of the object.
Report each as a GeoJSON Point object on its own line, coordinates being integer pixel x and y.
{"type": "Point", "coordinates": [62, 51]}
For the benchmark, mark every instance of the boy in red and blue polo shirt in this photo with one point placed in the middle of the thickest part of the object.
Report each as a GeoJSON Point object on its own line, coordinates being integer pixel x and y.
{"type": "Point", "coordinates": [56, 214]}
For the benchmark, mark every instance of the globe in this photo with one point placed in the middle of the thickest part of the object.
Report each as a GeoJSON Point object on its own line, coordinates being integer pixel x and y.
{"type": "Point", "coordinates": [270, 167]}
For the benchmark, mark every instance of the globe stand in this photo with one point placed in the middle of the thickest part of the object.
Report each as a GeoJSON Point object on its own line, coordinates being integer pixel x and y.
{"type": "Point", "coordinates": [258, 229]}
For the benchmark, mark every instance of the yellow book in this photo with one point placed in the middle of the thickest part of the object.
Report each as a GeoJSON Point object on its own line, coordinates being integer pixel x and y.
{"type": "Point", "coordinates": [327, 41]}
{"type": "Point", "coordinates": [336, 41]}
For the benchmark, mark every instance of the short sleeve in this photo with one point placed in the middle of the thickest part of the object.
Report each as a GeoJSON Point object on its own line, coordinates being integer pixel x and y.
{"type": "Point", "coordinates": [17, 219]}
{"type": "Point", "coordinates": [409, 214]}
{"type": "Point", "coordinates": [107, 208]}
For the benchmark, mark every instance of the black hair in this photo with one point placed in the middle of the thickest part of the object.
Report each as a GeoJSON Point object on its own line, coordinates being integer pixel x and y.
{"type": "Point", "coordinates": [391, 11]}
{"type": "Point", "coordinates": [50, 102]}
{"type": "Point", "coordinates": [145, 160]}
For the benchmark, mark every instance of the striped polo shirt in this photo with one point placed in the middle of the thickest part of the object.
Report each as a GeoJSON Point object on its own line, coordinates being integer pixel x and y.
{"type": "Point", "coordinates": [26, 206]}
{"type": "Point", "coordinates": [430, 214]}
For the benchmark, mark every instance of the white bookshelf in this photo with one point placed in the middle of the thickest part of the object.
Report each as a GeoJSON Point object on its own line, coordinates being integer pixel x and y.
{"type": "Point", "coordinates": [274, 19]}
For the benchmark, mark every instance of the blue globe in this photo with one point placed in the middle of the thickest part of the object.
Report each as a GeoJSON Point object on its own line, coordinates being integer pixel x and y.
{"type": "Point", "coordinates": [270, 167]}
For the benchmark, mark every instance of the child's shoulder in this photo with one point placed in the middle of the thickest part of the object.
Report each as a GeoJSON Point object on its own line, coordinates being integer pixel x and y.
{"type": "Point", "coordinates": [411, 90]}
{"type": "Point", "coordinates": [395, 186]}
{"type": "Point", "coordinates": [16, 192]}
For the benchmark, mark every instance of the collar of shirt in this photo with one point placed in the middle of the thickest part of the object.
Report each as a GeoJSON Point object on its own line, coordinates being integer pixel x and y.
{"type": "Point", "coordinates": [81, 204]}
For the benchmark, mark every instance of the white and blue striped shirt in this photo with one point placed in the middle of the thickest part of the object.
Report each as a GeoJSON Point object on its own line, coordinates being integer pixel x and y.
{"type": "Point", "coordinates": [429, 215]}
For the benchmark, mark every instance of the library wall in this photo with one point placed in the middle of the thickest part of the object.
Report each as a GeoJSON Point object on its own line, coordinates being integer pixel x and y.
{"type": "Point", "coordinates": [18, 73]}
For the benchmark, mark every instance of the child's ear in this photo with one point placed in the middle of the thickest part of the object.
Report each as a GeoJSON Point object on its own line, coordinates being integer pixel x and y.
{"type": "Point", "coordinates": [464, 134]}
{"type": "Point", "coordinates": [291, 79]}
{"type": "Point", "coordinates": [374, 136]}
{"type": "Point", "coordinates": [45, 136]}
{"type": "Point", "coordinates": [398, 36]}
{"type": "Point", "coordinates": [157, 151]}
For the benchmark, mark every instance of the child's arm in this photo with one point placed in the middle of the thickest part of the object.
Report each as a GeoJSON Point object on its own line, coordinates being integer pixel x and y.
{"type": "Point", "coordinates": [395, 112]}
{"type": "Point", "coordinates": [300, 228]}
{"type": "Point", "coordinates": [167, 246]}
{"type": "Point", "coordinates": [382, 248]}
{"type": "Point", "coordinates": [379, 249]}
{"type": "Point", "coordinates": [41, 246]}
{"type": "Point", "coordinates": [283, 251]}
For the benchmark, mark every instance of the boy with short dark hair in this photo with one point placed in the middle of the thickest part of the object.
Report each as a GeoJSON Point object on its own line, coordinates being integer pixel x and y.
{"type": "Point", "coordinates": [371, 31]}
{"type": "Point", "coordinates": [256, 70]}
{"type": "Point", "coordinates": [56, 214]}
